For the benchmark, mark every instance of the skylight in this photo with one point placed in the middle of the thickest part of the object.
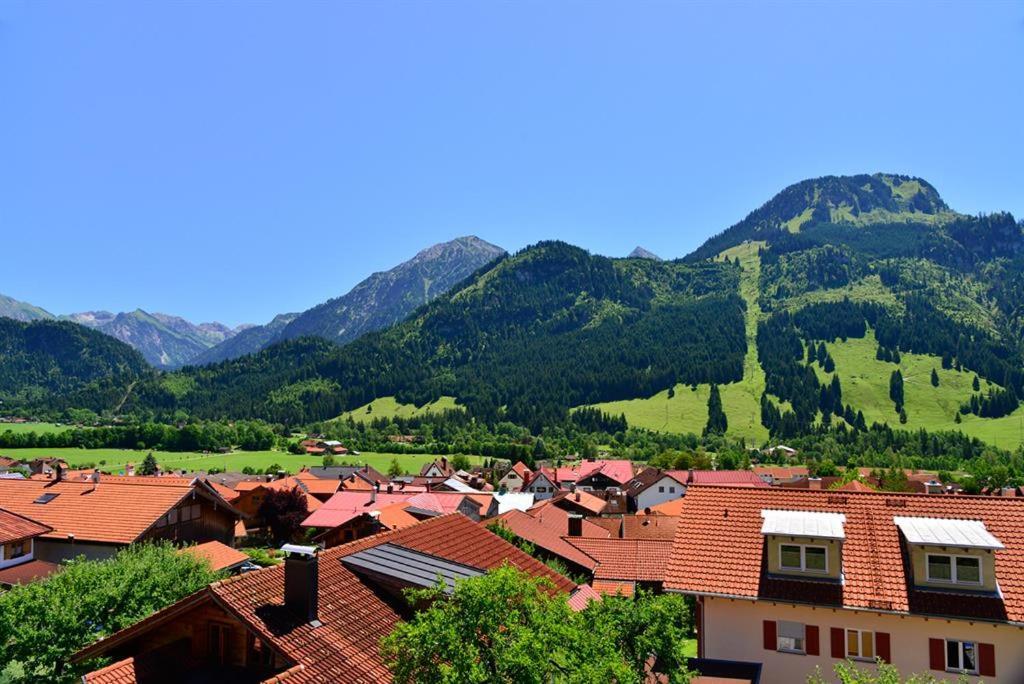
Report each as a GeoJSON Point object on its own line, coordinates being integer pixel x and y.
{"type": "Point", "coordinates": [803, 524]}
{"type": "Point", "coordinates": [409, 566]}
{"type": "Point", "coordinates": [46, 498]}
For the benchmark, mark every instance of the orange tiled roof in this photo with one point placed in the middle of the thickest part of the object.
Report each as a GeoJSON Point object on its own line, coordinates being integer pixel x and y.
{"type": "Point", "coordinates": [226, 493]}
{"type": "Point", "coordinates": [345, 646]}
{"type": "Point", "coordinates": [593, 504]}
{"type": "Point", "coordinates": [613, 587]}
{"type": "Point", "coordinates": [719, 547]}
{"type": "Point", "coordinates": [545, 537]}
{"type": "Point", "coordinates": [649, 526]}
{"type": "Point", "coordinates": [15, 527]}
{"type": "Point", "coordinates": [114, 512]}
{"type": "Point", "coordinates": [746, 478]}
{"type": "Point", "coordinates": [121, 672]}
{"type": "Point", "coordinates": [855, 486]}
{"type": "Point", "coordinates": [221, 556]}
{"type": "Point", "coordinates": [672, 507]}
{"type": "Point", "coordinates": [641, 560]}
{"type": "Point", "coordinates": [581, 597]}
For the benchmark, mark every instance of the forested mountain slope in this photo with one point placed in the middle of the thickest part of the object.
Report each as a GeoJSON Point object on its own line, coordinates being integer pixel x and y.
{"type": "Point", "coordinates": [526, 338]}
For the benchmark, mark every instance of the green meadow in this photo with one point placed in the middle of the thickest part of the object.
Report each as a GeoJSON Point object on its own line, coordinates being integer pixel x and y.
{"type": "Point", "coordinates": [235, 461]}
{"type": "Point", "coordinates": [41, 428]}
{"type": "Point", "coordinates": [389, 407]}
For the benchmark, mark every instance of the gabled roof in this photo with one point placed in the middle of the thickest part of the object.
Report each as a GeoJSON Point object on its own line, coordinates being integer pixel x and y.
{"type": "Point", "coordinates": [618, 470]}
{"type": "Point", "coordinates": [578, 499]}
{"type": "Point", "coordinates": [649, 477]}
{"type": "Point", "coordinates": [344, 506]}
{"type": "Point", "coordinates": [781, 472]}
{"type": "Point", "coordinates": [581, 597]}
{"type": "Point", "coordinates": [545, 537]}
{"type": "Point", "coordinates": [220, 556]}
{"type": "Point", "coordinates": [14, 527]}
{"type": "Point", "coordinates": [641, 560]}
{"type": "Point", "coordinates": [719, 549]}
{"type": "Point", "coordinates": [114, 512]}
{"type": "Point", "coordinates": [344, 647]}
{"type": "Point", "coordinates": [520, 469]}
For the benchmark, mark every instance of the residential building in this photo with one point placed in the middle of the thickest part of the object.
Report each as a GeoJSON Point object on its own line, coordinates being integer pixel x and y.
{"type": "Point", "coordinates": [543, 484]}
{"type": "Point", "coordinates": [777, 474]}
{"type": "Point", "coordinates": [653, 486]}
{"type": "Point", "coordinates": [18, 563]}
{"type": "Point", "coordinates": [318, 617]}
{"type": "Point", "coordinates": [96, 518]}
{"type": "Point", "coordinates": [221, 557]}
{"type": "Point", "coordinates": [515, 478]}
{"type": "Point", "coordinates": [800, 579]}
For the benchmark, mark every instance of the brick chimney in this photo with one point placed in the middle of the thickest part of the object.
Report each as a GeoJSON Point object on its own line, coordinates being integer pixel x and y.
{"type": "Point", "coordinates": [575, 525]}
{"type": "Point", "coordinates": [301, 581]}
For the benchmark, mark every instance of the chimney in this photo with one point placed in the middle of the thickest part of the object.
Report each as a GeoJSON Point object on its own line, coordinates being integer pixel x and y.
{"type": "Point", "coordinates": [814, 483]}
{"type": "Point", "coordinates": [58, 472]}
{"type": "Point", "coordinates": [575, 525]}
{"type": "Point", "coordinates": [577, 496]}
{"type": "Point", "coordinates": [933, 487]}
{"type": "Point", "coordinates": [391, 488]}
{"type": "Point", "coordinates": [373, 492]}
{"type": "Point", "coordinates": [301, 581]}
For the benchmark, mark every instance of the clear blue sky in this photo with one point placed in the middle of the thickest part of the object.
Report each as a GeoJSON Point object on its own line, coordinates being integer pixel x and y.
{"type": "Point", "coordinates": [231, 161]}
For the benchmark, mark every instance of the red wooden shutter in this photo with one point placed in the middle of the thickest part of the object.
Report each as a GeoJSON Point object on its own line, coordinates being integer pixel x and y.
{"type": "Point", "coordinates": [838, 642]}
{"type": "Point", "coordinates": [986, 660]}
{"type": "Point", "coordinates": [770, 642]}
{"type": "Point", "coordinates": [883, 647]}
{"type": "Point", "coordinates": [937, 654]}
{"type": "Point", "coordinates": [811, 639]}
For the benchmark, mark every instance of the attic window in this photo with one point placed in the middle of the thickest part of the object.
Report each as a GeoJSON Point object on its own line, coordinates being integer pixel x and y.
{"type": "Point", "coordinates": [46, 498]}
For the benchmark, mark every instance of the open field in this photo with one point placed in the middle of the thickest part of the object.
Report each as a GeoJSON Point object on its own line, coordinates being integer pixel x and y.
{"type": "Point", "coordinates": [687, 411]}
{"type": "Point", "coordinates": [41, 428]}
{"type": "Point", "coordinates": [388, 407]}
{"type": "Point", "coordinates": [235, 461]}
{"type": "Point", "coordinates": [865, 383]}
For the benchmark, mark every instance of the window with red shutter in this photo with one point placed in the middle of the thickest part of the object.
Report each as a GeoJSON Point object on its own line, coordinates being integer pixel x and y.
{"type": "Point", "coordinates": [812, 640]}
{"type": "Point", "coordinates": [770, 642]}
{"type": "Point", "coordinates": [937, 654]}
{"type": "Point", "coordinates": [883, 646]}
{"type": "Point", "coordinates": [986, 660]}
{"type": "Point", "coordinates": [838, 638]}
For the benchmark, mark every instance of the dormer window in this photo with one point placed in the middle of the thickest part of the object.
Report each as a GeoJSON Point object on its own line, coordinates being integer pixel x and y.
{"type": "Point", "coordinates": [804, 543]}
{"type": "Point", "coordinates": [953, 569]}
{"type": "Point", "coordinates": [803, 557]}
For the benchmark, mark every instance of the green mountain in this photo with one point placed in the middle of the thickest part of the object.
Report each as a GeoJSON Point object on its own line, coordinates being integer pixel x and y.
{"type": "Point", "coordinates": [852, 200]}
{"type": "Point", "coordinates": [47, 363]}
{"type": "Point", "coordinates": [21, 311]}
{"type": "Point", "coordinates": [165, 341]}
{"type": "Point", "coordinates": [247, 341]}
{"type": "Point", "coordinates": [526, 337]}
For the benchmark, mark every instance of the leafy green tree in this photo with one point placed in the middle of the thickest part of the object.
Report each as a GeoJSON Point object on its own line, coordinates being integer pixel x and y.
{"type": "Point", "coordinates": [717, 421]}
{"type": "Point", "coordinates": [461, 462]}
{"type": "Point", "coordinates": [848, 672]}
{"type": "Point", "coordinates": [395, 469]}
{"type": "Point", "coordinates": [44, 623]}
{"type": "Point", "coordinates": [149, 465]}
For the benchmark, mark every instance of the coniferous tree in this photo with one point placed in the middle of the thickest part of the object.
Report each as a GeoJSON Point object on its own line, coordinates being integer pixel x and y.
{"type": "Point", "coordinates": [149, 465]}
{"type": "Point", "coordinates": [976, 384]}
{"type": "Point", "coordinates": [717, 422]}
{"type": "Point", "coordinates": [896, 388]}
{"type": "Point", "coordinates": [935, 378]}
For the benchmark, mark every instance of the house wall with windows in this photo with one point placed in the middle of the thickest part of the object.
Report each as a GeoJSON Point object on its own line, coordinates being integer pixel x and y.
{"type": "Point", "coordinates": [734, 629]}
{"type": "Point", "coordinates": [541, 488]}
{"type": "Point", "coordinates": [665, 489]}
{"type": "Point", "coordinates": [799, 556]}
{"type": "Point", "coordinates": [17, 552]}
{"type": "Point", "coordinates": [944, 567]}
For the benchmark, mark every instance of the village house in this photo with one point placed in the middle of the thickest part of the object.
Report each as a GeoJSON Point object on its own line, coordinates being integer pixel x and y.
{"type": "Point", "coordinates": [542, 484]}
{"type": "Point", "coordinates": [95, 518]}
{"type": "Point", "coordinates": [515, 478]}
{"type": "Point", "coordinates": [18, 564]}
{"type": "Point", "coordinates": [653, 486]}
{"type": "Point", "coordinates": [317, 617]}
{"type": "Point", "coordinates": [221, 557]}
{"type": "Point", "coordinates": [800, 579]}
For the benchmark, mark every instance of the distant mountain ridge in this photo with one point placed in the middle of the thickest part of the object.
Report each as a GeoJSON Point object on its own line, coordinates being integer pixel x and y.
{"type": "Point", "coordinates": [379, 301]}
{"type": "Point", "coordinates": [22, 311]}
{"type": "Point", "coordinates": [641, 253]}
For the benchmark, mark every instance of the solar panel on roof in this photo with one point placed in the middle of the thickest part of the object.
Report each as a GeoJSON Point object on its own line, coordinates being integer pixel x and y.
{"type": "Point", "coordinates": [46, 498]}
{"type": "Point", "coordinates": [409, 566]}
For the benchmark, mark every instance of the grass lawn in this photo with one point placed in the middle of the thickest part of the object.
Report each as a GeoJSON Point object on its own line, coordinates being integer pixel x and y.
{"type": "Point", "coordinates": [690, 648]}
{"type": "Point", "coordinates": [388, 407]}
{"type": "Point", "coordinates": [235, 461]}
{"type": "Point", "coordinates": [41, 428]}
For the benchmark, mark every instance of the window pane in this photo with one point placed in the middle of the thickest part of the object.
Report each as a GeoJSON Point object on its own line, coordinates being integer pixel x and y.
{"type": "Point", "coordinates": [968, 570]}
{"type": "Point", "coordinates": [816, 559]}
{"type": "Point", "coordinates": [852, 647]}
{"type": "Point", "coordinates": [867, 648]}
{"type": "Point", "coordinates": [968, 655]}
{"type": "Point", "coordinates": [939, 568]}
{"type": "Point", "coordinates": [953, 655]}
{"type": "Point", "coordinates": [790, 556]}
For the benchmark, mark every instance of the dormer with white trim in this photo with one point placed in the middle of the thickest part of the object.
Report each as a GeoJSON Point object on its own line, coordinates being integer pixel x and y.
{"type": "Point", "coordinates": [804, 544]}
{"type": "Point", "coordinates": [949, 554]}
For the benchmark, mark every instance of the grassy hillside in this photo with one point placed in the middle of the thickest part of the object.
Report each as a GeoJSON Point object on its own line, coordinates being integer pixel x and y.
{"type": "Point", "coordinates": [389, 407]}
{"type": "Point", "coordinates": [40, 428]}
{"type": "Point", "coordinates": [865, 383]}
{"type": "Point", "coordinates": [687, 411]}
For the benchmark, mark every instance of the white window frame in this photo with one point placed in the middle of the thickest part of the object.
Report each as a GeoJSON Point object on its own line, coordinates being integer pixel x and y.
{"type": "Point", "coordinates": [803, 558]}
{"type": "Point", "coordinates": [954, 562]}
{"type": "Point", "coordinates": [799, 650]}
{"type": "Point", "coordinates": [951, 667]}
{"type": "Point", "coordinates": [861, 633]}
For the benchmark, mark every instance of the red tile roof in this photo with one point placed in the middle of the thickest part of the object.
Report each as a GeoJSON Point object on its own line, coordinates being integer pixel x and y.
{"type": "Point", "coordinates": [855, 486]}
{"type": "Point", "coordinates": [122, 672]}
{"type": "Point", "coordinates": [613, 587]}
{"type": "Point", "coordinates": [641, 560]}
{"type": "Point", "coordinates": [226, 493]}
{"type": "Point", "coordinates": [746, 478]}
{"type": "Point", "coordinates": [26, 572]}
{"type": "Point", "coordinates": [620, 471]}
{"type": "Point", "coordinates": [649, 527]}
{"type": "Point", "coordinates": [221, 556]}
{"type": "Point", "coordinates": [115, 512]}
{"type": "Point", "coordinates": [782, 472]}
{"type": "Point", "coordinates": [344, 506]}
{"type": "Point", "coordinates": [14, 527]}
{"type": "Point", "coordinates": [719, 549]}
{"type": "Point", "coordinates": [545, 537]}
{"type": "Point", "coordinates": [669, 508]}
{"type": "Point", "coordinates": [581, 597]}
{"type": "Point", "coordinates": [344, 647]}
